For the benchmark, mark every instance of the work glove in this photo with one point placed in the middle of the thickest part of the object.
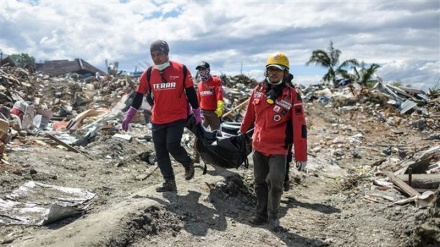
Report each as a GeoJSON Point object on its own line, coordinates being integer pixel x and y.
{"type": "Point", "coordinates": [301, 165]}
{"type": "Point", "coordinates": [197, 115]}
{"type": "Point", "coordinates": [219, 110]}
{"type": "Point", "coordinates": [127, 118]}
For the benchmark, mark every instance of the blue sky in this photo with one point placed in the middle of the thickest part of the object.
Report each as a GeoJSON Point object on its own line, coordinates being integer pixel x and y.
{"type": "Point", "coordinates": [403, 36]}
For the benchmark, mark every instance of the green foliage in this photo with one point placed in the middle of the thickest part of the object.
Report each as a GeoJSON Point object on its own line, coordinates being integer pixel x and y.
{"type": "Point", "coordinates": [365, 76]}
{"type": "Point", "coordinates": [371, 83]}
{"type": "Point", "coordinates": [330, 59]}
{"type": "Point", "coordinates": [358, 73]}
{"type": "Point", "coordinates": [23, 60]}
{"type": "Point", "coordinates": [434, 93]}
{"type": "Point", "coordinates": [396, 83]}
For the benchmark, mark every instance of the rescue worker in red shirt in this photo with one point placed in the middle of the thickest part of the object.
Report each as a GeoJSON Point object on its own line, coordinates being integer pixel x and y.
{"type": "Point", "coordinates": [210, 95]}
{"type": "Point", "coordinates": [275, 108]}
{"type": "Point", "coordinates": [172, 96]}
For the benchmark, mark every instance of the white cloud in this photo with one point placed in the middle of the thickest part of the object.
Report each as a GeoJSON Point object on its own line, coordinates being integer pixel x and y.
{"type": "Point", "coordinates": [233, 35]}
{"type": "Point", "coordinates": [418, 74]}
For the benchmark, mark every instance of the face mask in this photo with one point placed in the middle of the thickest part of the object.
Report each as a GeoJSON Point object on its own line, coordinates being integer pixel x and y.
{"type": "Point", "coordinates": [204, 74]}
{"type": "Point", "coordinates": [273, 83]}
{"type": "Point", "coordinates": [162, 66]}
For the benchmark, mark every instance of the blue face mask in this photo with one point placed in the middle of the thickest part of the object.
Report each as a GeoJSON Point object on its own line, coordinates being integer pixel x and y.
{"type": "Point", "coordinates": [163, 66]}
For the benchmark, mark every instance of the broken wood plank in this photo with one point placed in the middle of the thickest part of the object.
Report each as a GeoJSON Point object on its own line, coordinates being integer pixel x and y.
{"type": "Point", "coordinates": [150, 172]}
{"type": "Point", "coordinates": [406, 200]}
{"type": "Point", "coordinates": [389, 198]}
{"type": "Point", "coordinates": [63, 143]}
{"type": "Point", "coordinates": [402, 185]}
{"type": "Point", "coordinates": [235, 108]}
{"type": "Point", "coordinates": [68, 146]}
{"type": "Point", "coordinates": [370, 199]}
{"type": "Point", "coordinates": [422, 181]}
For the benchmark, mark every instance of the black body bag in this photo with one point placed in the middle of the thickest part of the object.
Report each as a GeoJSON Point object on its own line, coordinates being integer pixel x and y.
{"type": "Point", "coordinates": [228, 151]}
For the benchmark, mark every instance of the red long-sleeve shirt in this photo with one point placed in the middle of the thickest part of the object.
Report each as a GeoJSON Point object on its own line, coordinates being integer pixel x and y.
{"type": "Point", "coordinates": [277, 125]}
{"type": "Point", "coordinates": [209, 93]}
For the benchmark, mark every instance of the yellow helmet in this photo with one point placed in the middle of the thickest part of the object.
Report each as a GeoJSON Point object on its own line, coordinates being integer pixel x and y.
{"type": "Point", "coordinates": [278, 60]}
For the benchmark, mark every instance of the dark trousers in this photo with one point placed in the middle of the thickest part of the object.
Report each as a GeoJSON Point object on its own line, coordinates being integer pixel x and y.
{"type": "Point", "coordinates": [166, 139]}
{"type": "Point", "coordinates": [269, 174]}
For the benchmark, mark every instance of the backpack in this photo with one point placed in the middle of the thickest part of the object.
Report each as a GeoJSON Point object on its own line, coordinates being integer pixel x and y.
{"type": "Point", "coordinates": [149, 96]}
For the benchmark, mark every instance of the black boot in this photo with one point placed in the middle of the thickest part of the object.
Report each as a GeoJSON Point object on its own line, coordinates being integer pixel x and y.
{"type": "Point", "coordinates": [286, 185]}
{"type": "Point", "coordinates": [168, 185]}
{"type": "Point", "coordinates": [258, 220]}
{"type": "Point", "coordinates": [189, 171]}
{"type": "Point", "coordinates": [274, 223]}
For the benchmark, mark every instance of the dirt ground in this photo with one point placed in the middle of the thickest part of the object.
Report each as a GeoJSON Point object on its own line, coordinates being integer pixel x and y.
{"type": "Point", "coordinates": [333, 204]}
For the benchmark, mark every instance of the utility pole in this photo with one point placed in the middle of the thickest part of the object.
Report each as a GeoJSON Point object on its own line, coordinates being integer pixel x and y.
{"type": "Point", "coordinates": [241, 67]}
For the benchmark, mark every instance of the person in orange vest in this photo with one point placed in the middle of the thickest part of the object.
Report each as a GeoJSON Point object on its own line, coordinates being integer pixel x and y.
{"type": "Point", "coordinates": [276, 111]}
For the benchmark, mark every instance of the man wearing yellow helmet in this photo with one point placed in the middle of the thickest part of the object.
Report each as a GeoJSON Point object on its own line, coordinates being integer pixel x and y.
{"type": "Point", "coordinates": [276, 111]}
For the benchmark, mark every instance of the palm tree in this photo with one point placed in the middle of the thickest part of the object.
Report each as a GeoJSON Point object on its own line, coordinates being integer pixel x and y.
{"type": "Point", "coordinates": [364, 76]}
{"type": "Point", "coordinates": [330, 59]}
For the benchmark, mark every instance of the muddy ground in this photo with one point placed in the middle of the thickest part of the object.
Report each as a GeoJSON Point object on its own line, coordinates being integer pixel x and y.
{"type": "Point", "coordinates": [330, 205]}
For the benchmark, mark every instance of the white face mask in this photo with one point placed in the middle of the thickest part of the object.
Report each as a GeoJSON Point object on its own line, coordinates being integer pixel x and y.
{"type": "Point", "coordinates": [273, 83]}
{"type": "Point", "coordinates": [205, 75]}
{"type": "Point", "coordinates": [162, 66]}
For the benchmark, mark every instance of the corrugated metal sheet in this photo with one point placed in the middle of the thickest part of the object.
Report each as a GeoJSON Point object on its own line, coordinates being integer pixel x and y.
{"type": "Point", "coordinates": [407, 105]}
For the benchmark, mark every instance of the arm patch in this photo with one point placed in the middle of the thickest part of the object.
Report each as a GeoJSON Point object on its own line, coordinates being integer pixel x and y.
{"type": "Point", "coordinates": [304, 131]}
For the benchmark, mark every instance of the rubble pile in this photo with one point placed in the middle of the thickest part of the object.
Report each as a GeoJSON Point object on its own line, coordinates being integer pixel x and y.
{"type": "Point", "coordinates": [33, 103]}
{"type": "Point", "coordinates": [392, 107]}
{"type": "Point", "coordinates": [66, 97]}
{"type": "Point", "coordinates": [370, 142]}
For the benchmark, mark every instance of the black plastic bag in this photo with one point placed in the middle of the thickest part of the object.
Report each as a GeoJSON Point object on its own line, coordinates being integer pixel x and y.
{"type": "Point", "coordinates": [228, 151]}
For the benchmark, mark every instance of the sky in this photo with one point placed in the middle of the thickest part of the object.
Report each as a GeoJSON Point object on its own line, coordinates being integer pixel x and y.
{"type": "Point", "coordinates": [234, 36]}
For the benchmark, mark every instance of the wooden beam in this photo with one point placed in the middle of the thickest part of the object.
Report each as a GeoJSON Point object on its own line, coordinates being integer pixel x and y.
{"type": "Point", "coordinates": [402, 185]}
{"type": "Point", "coordinates": [235, 108]}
